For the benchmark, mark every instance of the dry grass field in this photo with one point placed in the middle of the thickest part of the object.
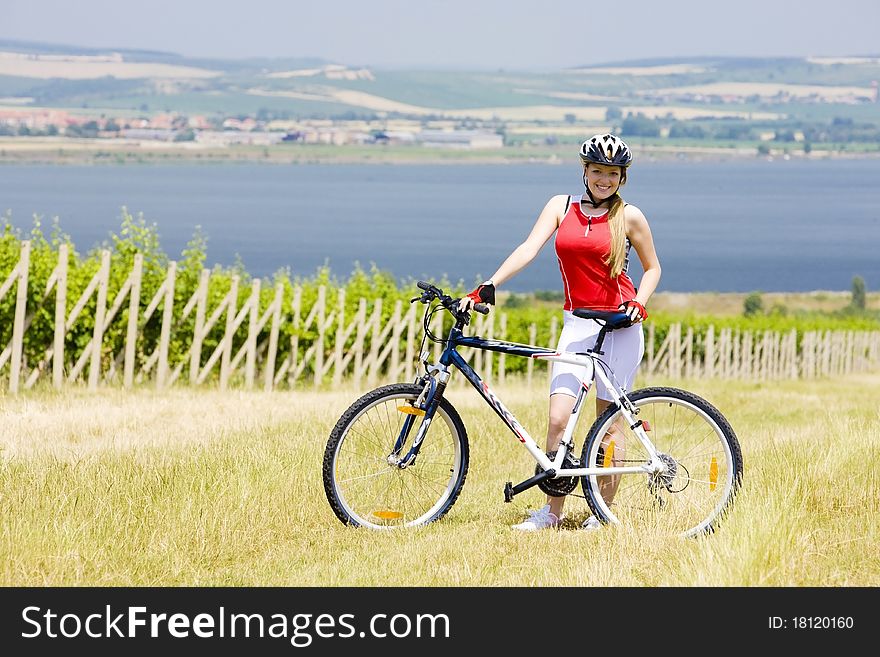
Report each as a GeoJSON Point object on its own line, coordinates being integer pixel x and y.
{"type": "Point", "coordinates": [196, 487]}
{"type": "Point", "coordinates": [75, 67]}
{"type": "Point", "coordinates": [766, 89]}
{"type": "Point", "coordinates": [731, 303]}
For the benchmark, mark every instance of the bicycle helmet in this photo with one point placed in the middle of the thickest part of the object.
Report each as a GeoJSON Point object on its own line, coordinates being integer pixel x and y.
{"type": "Point", "coordinates": [606, 149]}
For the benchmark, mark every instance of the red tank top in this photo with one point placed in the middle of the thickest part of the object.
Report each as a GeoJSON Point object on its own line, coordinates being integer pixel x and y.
{"type": "Point", "coordinates": [582, 244]}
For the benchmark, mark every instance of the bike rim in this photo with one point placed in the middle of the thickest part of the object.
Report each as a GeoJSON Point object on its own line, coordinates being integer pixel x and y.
{"type": "Point", "coordinates": [379, 495]}
{"type": "Point", "coordinates": [699, 480]}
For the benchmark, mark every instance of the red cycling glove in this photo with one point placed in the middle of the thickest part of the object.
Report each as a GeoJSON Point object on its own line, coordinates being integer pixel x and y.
{"type": "Point", "coordinates": [485, 293]}
{"type": "Point", "coordinates": [625, 306]}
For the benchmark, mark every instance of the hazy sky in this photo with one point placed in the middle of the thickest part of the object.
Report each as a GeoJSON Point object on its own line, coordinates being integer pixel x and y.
{"type": "Point", "coordinates": [483, 34]}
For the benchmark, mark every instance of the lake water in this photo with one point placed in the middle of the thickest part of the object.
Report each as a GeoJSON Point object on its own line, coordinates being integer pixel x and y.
{"type": "Point", "coordinates": [721, 226]}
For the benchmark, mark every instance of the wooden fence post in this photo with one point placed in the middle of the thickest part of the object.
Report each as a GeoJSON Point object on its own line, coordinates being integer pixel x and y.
{"type": "Point", "coordinates": [250, 359]}
{"type": "Point", "coordinates": [23, 268]}
{"type": "Point", "coordinates": [319, 342]}
{"type": "Point", "coordinates": [167, 318]}
{"type": "Point", "coordinates": [709, 353]}
{"type": "Point", "coordinates": [801, 361]}
{"type": "Point", "coordinates": [195, 359]}
{"type": "Point", "coordinates": [675, 351]}
{"type": "Point", "coordinates": [100, 309]}
{"type": "Point", "coordinates": [375, 330]}
{"type": "Point", "coordinates": [60, 318]}
{"type": "Point", "coordinates": [272, 352]}
{"type": "Point", "coordinates": [134, 310]}
{"type": "Point", "coordinates": [727, 354]}
{"type": "Point", "coordinates": [340, 338]}
{"type": "Point", "coordinates": [792, 354]}
{"type": "Point", "coordinates": [689, 353]}
{"type": "Point", "coordinates": [294, 339]}
{"type": "Point", "coordinates": [359, 342]}
{"type": "Point", "coordinates": [226, 351]}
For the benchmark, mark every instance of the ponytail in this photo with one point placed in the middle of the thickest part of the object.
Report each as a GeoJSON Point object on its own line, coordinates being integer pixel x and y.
{"type": "Point", "coordinates": [617, 226]}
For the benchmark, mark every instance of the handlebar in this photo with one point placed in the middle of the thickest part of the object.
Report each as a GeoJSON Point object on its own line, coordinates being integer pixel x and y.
{"type": "Point", "coordinates": [432, 292]}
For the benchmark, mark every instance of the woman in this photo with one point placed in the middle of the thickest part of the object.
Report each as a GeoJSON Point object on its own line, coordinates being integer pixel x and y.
{"type": "Point", "coordinates": [594, 233]}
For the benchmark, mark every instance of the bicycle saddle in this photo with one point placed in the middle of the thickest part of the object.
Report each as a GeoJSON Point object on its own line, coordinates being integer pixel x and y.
{"type": "Point", "coordinates": [611, 319]}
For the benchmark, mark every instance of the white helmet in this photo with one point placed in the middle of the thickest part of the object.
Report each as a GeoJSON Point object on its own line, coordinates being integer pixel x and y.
{"type": "Point", "coordinates": [606, 149]}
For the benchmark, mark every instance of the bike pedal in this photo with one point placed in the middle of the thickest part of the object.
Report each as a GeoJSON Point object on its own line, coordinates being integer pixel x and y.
{"type": "Point", "coordinates": [508, 491]}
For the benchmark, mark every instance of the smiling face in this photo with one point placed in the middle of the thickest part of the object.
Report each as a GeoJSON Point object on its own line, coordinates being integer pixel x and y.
{"type": "Point", "coordinates": [603, 180]}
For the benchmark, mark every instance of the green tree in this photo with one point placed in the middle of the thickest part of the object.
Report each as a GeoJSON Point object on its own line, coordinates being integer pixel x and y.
{"type": "Point", "coordinates": [753, 304]}
{"type": "Point", "coordinates": [683, 129]}
{"type": "Point", "coordinates": [639, 125]}
{"type": "Point", "coordinates": [858, 293]}
{"type": "Point", "coordinates": [784, 135]}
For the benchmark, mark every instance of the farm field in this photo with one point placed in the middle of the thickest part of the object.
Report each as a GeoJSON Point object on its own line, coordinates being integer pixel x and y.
{"type": "Point", "coordinates": [199, 487]}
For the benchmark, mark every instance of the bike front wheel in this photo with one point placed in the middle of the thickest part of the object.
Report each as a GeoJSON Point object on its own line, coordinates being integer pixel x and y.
{"type": "Point", "coordinates": [701, 456]}
{"type": "Point", "coordinates": [363, 482]}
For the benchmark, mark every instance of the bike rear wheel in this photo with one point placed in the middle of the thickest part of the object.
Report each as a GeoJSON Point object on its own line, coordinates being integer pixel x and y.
{"type": "Point", "coordinates": [696, 443]}
{"type": "Point", "coordinates": [363, 484]}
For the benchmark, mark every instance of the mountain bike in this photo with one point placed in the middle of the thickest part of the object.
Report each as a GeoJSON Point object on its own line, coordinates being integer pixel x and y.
{"type": "Point", "coordinates": [656, 457]}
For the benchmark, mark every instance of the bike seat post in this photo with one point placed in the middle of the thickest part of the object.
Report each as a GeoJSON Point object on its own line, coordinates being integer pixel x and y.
{"type": "Point", "coordinates": [597, 348]}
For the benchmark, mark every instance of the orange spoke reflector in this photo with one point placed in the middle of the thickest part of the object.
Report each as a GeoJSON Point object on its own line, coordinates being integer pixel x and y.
{"type": "Point", "coordinates": [410, 410]}
{"type": "Point", "coordinates": [646, 425]}
{"type": "Point", "coordinates": [388, 515]}
{"type": "Point", "coordinates": [609, 456]}
{"type": "Point", "coordinates": [713, 473]}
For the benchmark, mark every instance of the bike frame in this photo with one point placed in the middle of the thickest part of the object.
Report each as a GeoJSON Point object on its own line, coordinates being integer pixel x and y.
{"type": "Point", "coordinates": [593, 367]}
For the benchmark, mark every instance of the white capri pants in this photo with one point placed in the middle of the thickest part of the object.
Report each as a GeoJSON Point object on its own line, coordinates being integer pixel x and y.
{"type": "Point", "coordinates": [623, 349]}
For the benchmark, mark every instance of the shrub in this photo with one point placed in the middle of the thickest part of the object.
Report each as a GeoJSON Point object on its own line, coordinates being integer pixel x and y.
{"type": "Point", "coordinates": [753, 304]}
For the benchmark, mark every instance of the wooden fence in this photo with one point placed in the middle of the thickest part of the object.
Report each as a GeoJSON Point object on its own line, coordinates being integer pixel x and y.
{"type": "Point", "coordinates": [362, 348]}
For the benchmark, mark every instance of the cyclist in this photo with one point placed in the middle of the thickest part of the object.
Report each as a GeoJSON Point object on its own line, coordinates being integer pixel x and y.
{"type": "Point", "coordinates": [594, 233]}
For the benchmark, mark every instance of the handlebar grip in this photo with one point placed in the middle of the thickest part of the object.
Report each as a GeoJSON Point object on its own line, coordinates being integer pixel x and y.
{"type": "Point", "coordinates": [481, 308]}
{"type": "Point", "coordinates": [424, 286]}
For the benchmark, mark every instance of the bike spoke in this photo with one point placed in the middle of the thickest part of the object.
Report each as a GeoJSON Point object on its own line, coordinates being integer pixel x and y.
{"type": "Point", "coordinates": [386, 495]}
{"type": "Point", "coordinates": [691, 490]}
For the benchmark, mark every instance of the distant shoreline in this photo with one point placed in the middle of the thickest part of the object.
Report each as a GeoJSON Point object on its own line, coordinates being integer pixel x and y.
{"type": "Point", "coordinates": [66, 151]}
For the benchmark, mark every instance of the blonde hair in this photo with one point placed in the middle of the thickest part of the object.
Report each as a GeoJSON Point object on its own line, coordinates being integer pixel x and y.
{"type": "Point", "coordinates": [617, 226]}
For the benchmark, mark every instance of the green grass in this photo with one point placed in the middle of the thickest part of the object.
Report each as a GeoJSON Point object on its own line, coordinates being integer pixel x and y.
{"type": "Point", "coordinates": [192, 487]}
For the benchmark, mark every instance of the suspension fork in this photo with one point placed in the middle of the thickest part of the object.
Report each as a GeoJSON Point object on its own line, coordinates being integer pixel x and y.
{"type": "Point", "coordinates": [431, 396]}
{"type": "Point", "coordinates": [418, 409]}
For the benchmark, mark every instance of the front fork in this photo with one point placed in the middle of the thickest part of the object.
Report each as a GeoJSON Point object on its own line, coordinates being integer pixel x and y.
{"type": "Point", "coordinates": [424, 406]}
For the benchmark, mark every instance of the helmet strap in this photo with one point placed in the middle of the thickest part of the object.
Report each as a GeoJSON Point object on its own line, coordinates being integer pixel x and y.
{"type": "Point", "coordinates": [589, 193]}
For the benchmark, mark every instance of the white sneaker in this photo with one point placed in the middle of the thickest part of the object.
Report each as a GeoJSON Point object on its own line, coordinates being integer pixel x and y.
{"type": "Point", "coordinates": [591, 523]}
{"type": "Point", "coordinates": [540, 519]}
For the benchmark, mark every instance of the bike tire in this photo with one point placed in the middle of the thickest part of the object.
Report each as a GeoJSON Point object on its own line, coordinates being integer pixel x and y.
{"type": "Point", "coordinates": [699, 447]}
{"type": "Point", "coordinates": [365, 490]}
